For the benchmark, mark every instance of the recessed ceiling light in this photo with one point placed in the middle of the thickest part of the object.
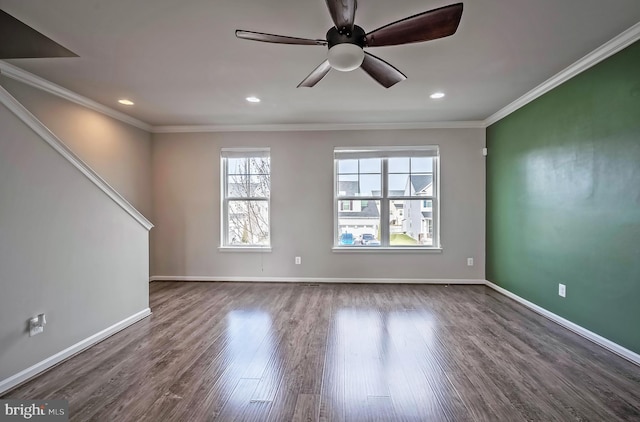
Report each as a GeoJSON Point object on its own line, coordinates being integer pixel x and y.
{"type": "Point", "coordinates": [253, 99]}
{"type": "Point", "coordinates": [437, 95]}
{"type": "Point", "coordinates": [124, 101]}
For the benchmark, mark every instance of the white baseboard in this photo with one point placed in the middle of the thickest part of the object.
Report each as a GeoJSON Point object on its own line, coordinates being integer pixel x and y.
{"type": "Point", "coordinates": [589, 335]}
{"type": "Point", "coordinates": [318, 280]}
{"type": "Point", "coordinates": [22, 376]}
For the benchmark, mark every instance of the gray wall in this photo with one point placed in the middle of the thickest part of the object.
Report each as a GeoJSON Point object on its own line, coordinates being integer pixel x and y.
{"type": "Point", "coordinates": [66, 249]}
{"type": "Point", "coordinates": [118, 152]}
{"type": "Point", "coordinates": [186, 192]}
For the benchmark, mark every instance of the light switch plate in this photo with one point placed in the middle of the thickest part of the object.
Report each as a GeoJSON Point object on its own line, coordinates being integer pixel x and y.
{"type": "Point", "coordinates": [562, 290]}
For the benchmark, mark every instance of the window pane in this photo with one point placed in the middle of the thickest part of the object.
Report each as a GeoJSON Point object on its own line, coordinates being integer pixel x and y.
{"type": "Point", "coordinates": [410, 185]}
{"type": "Point", "coordinates": [411, 223]}
{"type": "Point", "coordinates": [399, 165]}
{"type": "Point", "coordinates": [398, 185]}
{"type": "Point", "coordinates": [421, 164]}
{"type": "Point", "coordinates": [348, 185]}
{"type": "Point", "coordinates": [370, 185]}
{"type": "Point", "coordinates": [259, 186]}
{"type": "Point", "coordinates": [396, 216]}
{"type": "Point", "coordinates": [422, 184]}
{"type": "Point", "coordinates": [347, 166]}
{"type": "Point", "coordinates": [248, 223]}
{"type": "Point", "coordinates": [237, 186]}
{"type": "Point", "coordinates": [359, 225]}
{"type": "Point", "coordinates": [370, 165]}
{"type": "Point", "coordinates": [236, 165]}
{"type": "Point", "coordinates": [259, 165]}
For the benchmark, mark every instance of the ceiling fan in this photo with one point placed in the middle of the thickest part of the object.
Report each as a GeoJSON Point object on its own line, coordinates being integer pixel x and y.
{"type": "Point", "coordinates": [346, 40]}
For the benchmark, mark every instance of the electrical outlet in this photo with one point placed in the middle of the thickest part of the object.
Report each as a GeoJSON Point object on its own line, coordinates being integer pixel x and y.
{"type": "Point", "coordinates": [298, 260]}
{"type": "Point", "coordinates": [36, 325]}
{"type": "Point", "coordinates": [562, 290]}
{"type": "Point", "coordinates": [469, 262]}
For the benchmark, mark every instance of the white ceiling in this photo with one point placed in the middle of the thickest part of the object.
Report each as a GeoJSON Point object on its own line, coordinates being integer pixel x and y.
{"type": "Point", "coordinates": [182, 65]}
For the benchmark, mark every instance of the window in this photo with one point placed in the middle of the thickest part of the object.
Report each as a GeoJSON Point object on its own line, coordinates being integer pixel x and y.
{"type": "Point", "coordinates": [386, 197]}
{"type": "Point", "coordinates": [246, 189]}
{"type": "Point", "coordinates": [345, 205]}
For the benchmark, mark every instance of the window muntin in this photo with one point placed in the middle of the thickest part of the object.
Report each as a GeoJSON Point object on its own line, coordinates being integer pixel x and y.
{"type": "Point", "coordinates": [398, 185]}
{"type": "Point", "coordinates": [246, 190]}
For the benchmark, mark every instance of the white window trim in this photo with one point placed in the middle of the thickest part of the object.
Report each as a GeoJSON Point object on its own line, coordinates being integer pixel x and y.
{"type": "Point", "coordinates": [386, 249]}
{"type": "Point", "coordinates": [244, 248]}
{"type": "Point", "coordinates": [225, 153]}
{"type": "Point", "coordinates": [388, 152]}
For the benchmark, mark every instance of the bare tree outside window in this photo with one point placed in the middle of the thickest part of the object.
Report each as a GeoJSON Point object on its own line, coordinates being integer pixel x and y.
{"type": "Point", "coordinates": [247, 190]}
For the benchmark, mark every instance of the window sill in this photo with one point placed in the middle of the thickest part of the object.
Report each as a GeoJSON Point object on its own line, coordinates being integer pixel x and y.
{"type": "Point", "coordinates": [244, 248]}
{"type": "Point", "coordinates": [395, 249]}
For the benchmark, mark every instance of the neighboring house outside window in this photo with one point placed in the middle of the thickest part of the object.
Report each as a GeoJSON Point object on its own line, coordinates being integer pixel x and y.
{"type": "Point", "coordinates": [246, 190]}
{"type": "Point", "coordinates": [345, 205]}
{"type": "Point", "coordinates": [386, 197]}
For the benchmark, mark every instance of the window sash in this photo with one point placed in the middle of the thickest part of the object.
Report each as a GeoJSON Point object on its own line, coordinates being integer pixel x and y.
{"type": "Point", "coordinates": [384, 198]}
{"type": "Point", "coordinates": [387, 152]}
{"type": "Point", "coordinates": [380, 198]}
{"type": "Point", "coordinates": [247, 153]}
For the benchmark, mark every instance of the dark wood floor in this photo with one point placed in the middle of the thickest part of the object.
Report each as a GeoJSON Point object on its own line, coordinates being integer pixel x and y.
{"type": "Point", "coordinates": [284, 352]}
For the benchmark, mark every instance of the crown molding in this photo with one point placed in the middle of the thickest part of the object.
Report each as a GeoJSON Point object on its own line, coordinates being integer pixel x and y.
{"type": "Point", "coordinates": [49, 137]}
{"type": "Point", "coordinates": [601, 53]}
{"type": "Point", "coordinates": [28, 78]}
{"type": "Point", "coordinates": [312, 127]}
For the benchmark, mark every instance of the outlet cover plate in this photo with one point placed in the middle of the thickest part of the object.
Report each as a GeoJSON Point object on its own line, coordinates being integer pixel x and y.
{"type": "Point", "coordinates": [562, 290]}
{"type": "Point", "coordinates": [35, 327]}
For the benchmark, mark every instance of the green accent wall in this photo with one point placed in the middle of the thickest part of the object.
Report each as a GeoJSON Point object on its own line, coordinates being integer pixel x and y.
{"type": "Point", "coordinates": [563, 199]}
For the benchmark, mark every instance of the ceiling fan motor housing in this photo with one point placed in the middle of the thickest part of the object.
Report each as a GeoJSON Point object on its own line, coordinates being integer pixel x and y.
{"type": "Point", "coordinates": [344, 35]}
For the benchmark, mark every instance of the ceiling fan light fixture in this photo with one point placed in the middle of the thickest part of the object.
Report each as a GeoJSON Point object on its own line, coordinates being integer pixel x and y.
{"type": "Point", "coordinates": [345, 57]}
{"type": "Point", "coordinates": [347, 40]}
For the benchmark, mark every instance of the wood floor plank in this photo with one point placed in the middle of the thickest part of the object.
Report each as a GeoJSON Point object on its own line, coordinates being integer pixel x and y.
{"type": "Point", "coordinates": [307, 408]}
{"type": "Point", "coordinates": [239, 400]}
{"type": "Point", "coordinates": [340, 352]}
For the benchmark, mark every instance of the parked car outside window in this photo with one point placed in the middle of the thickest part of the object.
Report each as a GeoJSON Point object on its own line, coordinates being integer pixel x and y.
{"type": "Point", "coordinates": [346, 239]}
{"type": "Point", "coordinates": [366, 238]}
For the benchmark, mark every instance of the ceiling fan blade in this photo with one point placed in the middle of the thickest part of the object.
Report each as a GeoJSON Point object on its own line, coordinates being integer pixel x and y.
{"type": "Point", "coordinates": [278, 39]}
{"type": "Point", "coordinates": [381, 71]}
{"type": "Point", "coordinates": [20, 41]}
{"type": "Point", "coordinates": [431, 25]}
{"type": "Point", "coordinates": [315, 76]}
{"type": "Point", "coordinates": [343, 12]}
